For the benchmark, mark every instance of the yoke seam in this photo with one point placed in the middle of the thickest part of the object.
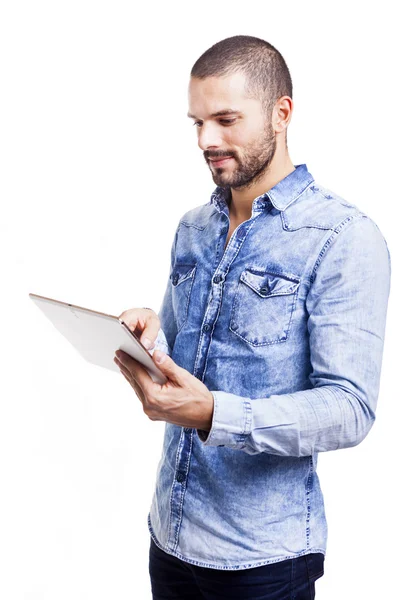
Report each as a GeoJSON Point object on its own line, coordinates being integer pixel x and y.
{"type": "Point", "coordinates": [328, 243]}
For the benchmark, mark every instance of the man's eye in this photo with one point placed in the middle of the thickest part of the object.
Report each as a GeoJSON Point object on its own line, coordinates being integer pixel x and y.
{"type": "Point", "coordinates": [222, 121]}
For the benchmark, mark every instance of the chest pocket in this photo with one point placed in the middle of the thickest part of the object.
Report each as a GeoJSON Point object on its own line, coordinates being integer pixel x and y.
{"type": "Point", "coordinates": [263, 306]}
{"type": "Point", "coordinates": [182, 278]}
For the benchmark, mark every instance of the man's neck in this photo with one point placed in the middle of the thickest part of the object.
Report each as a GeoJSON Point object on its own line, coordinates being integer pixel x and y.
{"type": "Point", "coordinates": [241, 202]}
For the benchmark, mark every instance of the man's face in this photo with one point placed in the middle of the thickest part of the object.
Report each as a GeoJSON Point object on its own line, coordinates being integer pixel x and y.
{"type": "Point", "coordinates": [231, 127]}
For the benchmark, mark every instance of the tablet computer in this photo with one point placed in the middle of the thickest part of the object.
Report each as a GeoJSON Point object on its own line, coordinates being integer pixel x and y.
{"type": "Point", "coordinates": [97, 335]}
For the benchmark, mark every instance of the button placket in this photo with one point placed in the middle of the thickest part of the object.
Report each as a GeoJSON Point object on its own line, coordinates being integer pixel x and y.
{"type": "Point", "coordinates": [215, 297]}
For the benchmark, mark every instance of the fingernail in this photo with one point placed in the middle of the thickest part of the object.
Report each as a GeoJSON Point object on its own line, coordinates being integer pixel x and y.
{"type": "Point", "coordinates": [146, 342]}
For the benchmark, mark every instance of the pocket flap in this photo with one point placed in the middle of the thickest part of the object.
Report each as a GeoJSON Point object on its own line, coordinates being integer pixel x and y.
{"type": "Point", "coordinates": [181, 272]}
{"type": "Point", "coordinates": [269, 284]}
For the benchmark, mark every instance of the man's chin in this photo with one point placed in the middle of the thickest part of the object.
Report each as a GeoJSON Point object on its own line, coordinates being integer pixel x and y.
{"type": "Point", "coordinates": [229, 182]}
{"type": "Point", "coordinates": [220, 180]}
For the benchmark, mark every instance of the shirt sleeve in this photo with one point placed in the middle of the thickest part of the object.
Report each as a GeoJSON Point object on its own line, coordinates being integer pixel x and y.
{"type": "Point", "coordinates": [161, 343]}
{"type": "Point", "coordinates": [346, 306]}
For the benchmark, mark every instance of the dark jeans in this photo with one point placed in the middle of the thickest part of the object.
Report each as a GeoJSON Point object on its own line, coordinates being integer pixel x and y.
{"type": "Point", "coordinates": [291, 579]}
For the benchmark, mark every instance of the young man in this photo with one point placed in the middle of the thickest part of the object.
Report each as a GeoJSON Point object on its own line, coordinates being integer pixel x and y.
{"type": "Point", "coordinates": [274, 315]}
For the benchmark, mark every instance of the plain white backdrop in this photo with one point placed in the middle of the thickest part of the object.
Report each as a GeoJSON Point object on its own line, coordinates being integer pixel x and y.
{"type": "Point", "coordinates": [98, 163]}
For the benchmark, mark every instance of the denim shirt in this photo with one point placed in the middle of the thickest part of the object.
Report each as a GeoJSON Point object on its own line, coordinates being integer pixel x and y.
{"type": "Point", "coordinates": [286, 328]}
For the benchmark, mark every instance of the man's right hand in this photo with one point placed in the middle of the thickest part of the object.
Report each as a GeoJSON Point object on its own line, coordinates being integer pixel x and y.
{"type": "Point", "coordinates": [144, 322]}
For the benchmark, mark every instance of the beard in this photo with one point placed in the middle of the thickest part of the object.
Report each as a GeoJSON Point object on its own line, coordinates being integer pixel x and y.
{"type": "Point", "coordinates": [251, 167]}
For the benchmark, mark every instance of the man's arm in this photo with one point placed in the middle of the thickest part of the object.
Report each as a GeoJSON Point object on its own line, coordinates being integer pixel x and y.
{"type": "Point", "coordinates": [347, 306]}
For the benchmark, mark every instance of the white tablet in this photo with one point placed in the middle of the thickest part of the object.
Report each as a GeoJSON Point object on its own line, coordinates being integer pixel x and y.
{"type": "Point", "coordinates": [97, 335]}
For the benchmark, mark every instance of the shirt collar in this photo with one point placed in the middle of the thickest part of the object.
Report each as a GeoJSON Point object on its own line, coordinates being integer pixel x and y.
{"type": "Point", "coordinates": [286, 191]}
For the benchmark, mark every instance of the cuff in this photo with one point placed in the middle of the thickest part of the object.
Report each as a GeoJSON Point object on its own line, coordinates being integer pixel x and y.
{"type": "Point", "coordinates": [161, 343]}
{"type": "Point", "coordinates": [231, 422]}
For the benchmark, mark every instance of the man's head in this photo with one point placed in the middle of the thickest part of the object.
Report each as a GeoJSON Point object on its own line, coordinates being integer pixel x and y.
{"type": "Point", "coordinates": [240, 99]}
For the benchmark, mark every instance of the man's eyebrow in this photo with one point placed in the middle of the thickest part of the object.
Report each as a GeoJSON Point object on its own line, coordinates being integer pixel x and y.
{"type": "Point", "coordinates": [220, 113]}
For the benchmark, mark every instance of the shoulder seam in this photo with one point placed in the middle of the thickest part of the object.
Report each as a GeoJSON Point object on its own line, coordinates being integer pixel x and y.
{"type": "Point", "coordinates": [184, 218]}
{"type": "Point", "coordinates": [335, 233]}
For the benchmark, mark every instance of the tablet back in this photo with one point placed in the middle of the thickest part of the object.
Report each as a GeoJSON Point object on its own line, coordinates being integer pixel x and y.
{"type": "Point", "coordinates": [96, 335]}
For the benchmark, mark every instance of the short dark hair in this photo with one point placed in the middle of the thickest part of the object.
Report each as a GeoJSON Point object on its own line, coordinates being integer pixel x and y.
{"type": "Point", "coordinates": [267, 74]}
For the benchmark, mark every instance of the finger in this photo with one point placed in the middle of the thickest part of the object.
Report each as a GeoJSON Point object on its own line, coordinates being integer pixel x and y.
{"type": "Point", "coordinates": [169, 368]}
{"type": "Point", "coordinates": [129, 377]}
{"type": "Point", "coordinates": [122, 368]}
{"type": "Point", "coordinates": [150, 330]}
{"type": "Point", "coordinates": [136, 370]}
{"type": "Point", "coordinates": [138, 390]}
{"type": "Point", "coordinates": [145, 323]}
{"type": "Point", "coordinates": [130, 318]}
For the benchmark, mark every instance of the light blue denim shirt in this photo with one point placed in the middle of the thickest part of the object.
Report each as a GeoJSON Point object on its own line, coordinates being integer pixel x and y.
{"type": "Point", "coordinates": [286, 328]}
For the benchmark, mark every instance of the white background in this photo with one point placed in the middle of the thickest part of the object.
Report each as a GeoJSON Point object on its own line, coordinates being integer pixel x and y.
{"type": "Point", "coordinates": [98, 163]}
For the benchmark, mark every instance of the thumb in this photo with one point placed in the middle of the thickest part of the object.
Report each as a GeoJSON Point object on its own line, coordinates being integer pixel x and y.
{"type": "Point", "coordinates": [166, 365]}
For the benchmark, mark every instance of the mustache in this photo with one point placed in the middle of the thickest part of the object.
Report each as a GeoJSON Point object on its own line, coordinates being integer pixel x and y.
{"type": "Point", "coordinates": [207, 154]}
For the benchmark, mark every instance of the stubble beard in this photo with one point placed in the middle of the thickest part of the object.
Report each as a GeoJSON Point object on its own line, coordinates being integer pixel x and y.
{"type": "Point", "coordinates": [252, 167]}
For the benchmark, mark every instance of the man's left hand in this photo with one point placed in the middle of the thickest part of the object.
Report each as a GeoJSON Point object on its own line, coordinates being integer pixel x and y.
{"type": "Point", "coordinates": [184, 400]}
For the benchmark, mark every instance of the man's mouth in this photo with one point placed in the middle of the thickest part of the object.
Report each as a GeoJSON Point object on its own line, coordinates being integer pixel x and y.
{"type": "Point", "coordinates": [220, 161]}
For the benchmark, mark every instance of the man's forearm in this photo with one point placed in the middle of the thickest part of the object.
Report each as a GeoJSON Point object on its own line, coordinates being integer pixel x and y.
{"type": "Point", "coordinates": [297, 424]}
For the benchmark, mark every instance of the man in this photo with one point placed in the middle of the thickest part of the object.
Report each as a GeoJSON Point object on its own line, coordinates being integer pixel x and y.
{"type": "Point", "coordinates": [274, 315]}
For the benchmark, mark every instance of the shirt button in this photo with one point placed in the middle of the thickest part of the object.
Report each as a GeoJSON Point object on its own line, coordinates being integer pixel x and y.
{"type": "Point", "coordinates": [180, 477]}
{"type": "Point", "coordinates": [206, 327]}
{"type": "Point", "coordinates": [175, 279]}
{"type": "Point", "coordinates": [217, 278]}
{"type": "Point", "coordinates": [264, 290]}
{"type": "Point", "coordinates": [187, 429]}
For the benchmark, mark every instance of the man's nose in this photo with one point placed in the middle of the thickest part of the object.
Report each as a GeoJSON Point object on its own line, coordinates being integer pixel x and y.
{"type": "Point", "coordinates": [209, 137]}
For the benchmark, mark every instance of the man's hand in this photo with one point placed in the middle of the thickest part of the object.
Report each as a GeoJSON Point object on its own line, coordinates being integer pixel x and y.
{"type": "Point", "coordinates": [144, 322]}
{"type": "Point", "coordinates": [184, 400]}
